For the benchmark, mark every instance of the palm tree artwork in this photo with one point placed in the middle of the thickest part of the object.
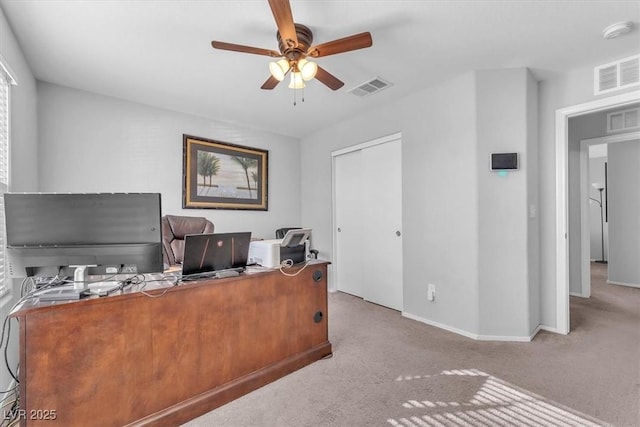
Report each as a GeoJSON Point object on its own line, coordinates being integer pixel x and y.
{"type": "Point", "coordinates": [218, 175]}
{"type": "Point", "coordinates": [208, 166]}
{"type": "Point", "coordinates": [254, 176]}
{"type": "Point", "coordinates": [246, 163]}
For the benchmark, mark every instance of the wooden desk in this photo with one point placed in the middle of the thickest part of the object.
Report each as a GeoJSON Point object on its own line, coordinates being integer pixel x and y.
{"type": "Point", "coordinates": [130, 359]}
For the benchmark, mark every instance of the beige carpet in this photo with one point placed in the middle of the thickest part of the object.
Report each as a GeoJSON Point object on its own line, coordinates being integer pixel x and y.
{"type": "Point", "coordinates": [391, 371]}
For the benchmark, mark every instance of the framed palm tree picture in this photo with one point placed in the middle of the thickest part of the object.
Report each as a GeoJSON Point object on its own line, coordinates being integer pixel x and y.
{"type": "Point", "coordinates": [219, 175]}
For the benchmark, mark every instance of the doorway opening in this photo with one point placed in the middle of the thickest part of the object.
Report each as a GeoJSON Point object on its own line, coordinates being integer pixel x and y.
{"type": "Point", "coordinates": [593, 197]}
{"type": "Point", "coordinates": [562, 196]}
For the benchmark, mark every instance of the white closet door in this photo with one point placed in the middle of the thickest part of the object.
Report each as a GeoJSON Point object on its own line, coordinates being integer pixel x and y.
{"type": "Point", "coordinates": [368, 220]}
{"type": "Point", "coordinates": [348, 217]}
{"type": "Point", "coordinates": [382, 223]}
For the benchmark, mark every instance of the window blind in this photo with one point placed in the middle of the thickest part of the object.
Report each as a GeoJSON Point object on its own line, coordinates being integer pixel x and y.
{"type": "Point", "coordinates": [4, 172]}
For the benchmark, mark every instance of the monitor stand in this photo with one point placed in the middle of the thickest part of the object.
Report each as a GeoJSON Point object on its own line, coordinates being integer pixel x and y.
{"type": "Point", "coordinates": [70, 292]}
{"type": "Point", "coordinates": [80, 276]}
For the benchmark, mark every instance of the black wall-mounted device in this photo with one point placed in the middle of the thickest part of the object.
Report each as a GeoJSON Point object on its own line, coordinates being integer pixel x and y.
{"type": "Point", "coordinates": [504, 161]}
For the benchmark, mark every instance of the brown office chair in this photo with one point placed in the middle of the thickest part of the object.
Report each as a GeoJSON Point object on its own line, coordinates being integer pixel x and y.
{"type": "Point", "coordinates": [280, 232]}
{"type": "Point", "coordinates": [174, 228]}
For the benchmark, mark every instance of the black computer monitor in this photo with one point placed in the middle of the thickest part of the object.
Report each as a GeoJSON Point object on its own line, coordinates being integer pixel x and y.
{"type": "Point", "coordinates": [51, 234]}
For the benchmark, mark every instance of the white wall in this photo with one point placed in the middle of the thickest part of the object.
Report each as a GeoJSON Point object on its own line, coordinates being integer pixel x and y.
{"type": "Point", "coordinates": [441, 114]}
{"type": "Point", "coordinates": [624, 212]}
{"type": "Point", "coordinates": [439, 204]}
{"type": "Point", "coordinates": [449, 196]}
{"type": "Point", "coordinates": [93, 143]}
{"type": "Point", "coordinates": [23, 166]}
{"type": "Point", "coordinates": [532, 163]}
{"type": "Point", "coordinates": [507, 245]}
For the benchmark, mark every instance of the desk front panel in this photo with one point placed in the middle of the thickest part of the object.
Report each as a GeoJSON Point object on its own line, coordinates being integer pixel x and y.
{"type": "Point", "coordinates": [117, 360]}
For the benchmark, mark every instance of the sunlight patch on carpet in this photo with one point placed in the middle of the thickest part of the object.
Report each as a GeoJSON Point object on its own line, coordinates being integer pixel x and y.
{"type": "Point", "coordinates": [494, 403]}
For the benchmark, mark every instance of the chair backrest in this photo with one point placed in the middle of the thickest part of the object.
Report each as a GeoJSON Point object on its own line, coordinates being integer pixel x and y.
{"type": "Point", "coordinates": [280, 232]}
{"type": "Point", "coordinates": [174, 228]}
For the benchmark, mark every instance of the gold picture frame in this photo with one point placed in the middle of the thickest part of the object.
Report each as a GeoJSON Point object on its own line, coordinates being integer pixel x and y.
{"type": "Point", "coordinates": [219, 175]}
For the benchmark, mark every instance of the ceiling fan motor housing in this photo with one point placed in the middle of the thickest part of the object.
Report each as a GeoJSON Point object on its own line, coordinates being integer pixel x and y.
{"type": "Point", "coordinates": [294, 53]}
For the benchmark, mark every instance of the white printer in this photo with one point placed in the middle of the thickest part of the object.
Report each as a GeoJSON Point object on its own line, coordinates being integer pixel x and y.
{"type": "Point", "coordinates": [270, 253]}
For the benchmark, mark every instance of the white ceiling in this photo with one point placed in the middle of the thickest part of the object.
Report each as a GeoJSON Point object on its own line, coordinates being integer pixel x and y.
{"type": "Point", "coordinates": [158, 52]}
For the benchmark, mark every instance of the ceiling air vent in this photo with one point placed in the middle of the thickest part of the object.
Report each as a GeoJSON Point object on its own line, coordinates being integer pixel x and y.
{"type": "Point", "coordinates": [370, 87]}
{"type": "Point", "coordinates": [617, 75]}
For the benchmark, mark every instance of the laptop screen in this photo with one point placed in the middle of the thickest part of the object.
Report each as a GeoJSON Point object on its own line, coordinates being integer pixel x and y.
{"type": "Point", "coordinates": [205, 253]}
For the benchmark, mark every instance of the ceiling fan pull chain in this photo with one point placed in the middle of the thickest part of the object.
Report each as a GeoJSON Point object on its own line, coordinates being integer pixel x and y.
{"type": "Point", "coordinates": [303, 94]}
{"type": "Point", "coordinates": [294, 96]}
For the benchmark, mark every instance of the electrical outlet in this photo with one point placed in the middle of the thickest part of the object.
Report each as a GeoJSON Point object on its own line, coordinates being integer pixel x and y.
{"type": "Point", "coordinates": [431, 292]}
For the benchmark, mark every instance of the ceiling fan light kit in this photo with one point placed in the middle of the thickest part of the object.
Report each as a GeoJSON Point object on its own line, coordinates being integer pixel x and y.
{"type": "Point", "coordinates": [295, 45]}
{"type": "Point", "coordinates": [279, 69]}
{"type": "Point", "coordinates": [308, 69]}
{"type": "Point", "coordinates": [296, 81]}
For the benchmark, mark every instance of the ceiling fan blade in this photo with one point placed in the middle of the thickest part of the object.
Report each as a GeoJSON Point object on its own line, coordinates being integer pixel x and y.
{"type": "Point", "coordinates": [346, 44]}
{"type": "Point", "coordinates": [284, 20]}
{"type": "Point", "coordinates": [331, 81]}
{"type": "Point", "coordinates": [245, 49]}
{"type": "Point", "coordinates": [270, 83]}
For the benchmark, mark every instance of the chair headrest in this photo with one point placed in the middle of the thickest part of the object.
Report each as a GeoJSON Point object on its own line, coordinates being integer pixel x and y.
{"type": "Point", "coordinates": [183, 225]}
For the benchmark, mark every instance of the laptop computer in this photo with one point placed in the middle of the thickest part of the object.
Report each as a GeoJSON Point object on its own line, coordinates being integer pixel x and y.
{"type": "Point", "coordinates": [215, 254]}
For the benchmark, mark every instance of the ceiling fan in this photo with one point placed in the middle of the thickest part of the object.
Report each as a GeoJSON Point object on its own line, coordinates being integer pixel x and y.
{"type": "Point", "coordinates": [295, 47]}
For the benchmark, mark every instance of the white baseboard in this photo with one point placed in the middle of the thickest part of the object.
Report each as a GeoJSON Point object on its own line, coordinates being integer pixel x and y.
{"type": "Point", "coordinates": [573, 294]}
{"type": "Point", "coordinates": [549, 329]}
{"type": "Point", "coordinates": [535, 332]}
{"type": "Point", "coordinates": [468, 334]}
{"type": "Point", "coordinates": [632, 285]}
{"type": "Point", "coordinates": [505, 338]}
{"type": "Point", "coordinates": [440, 325]}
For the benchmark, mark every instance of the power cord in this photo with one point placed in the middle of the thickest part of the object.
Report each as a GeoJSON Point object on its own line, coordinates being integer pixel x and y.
{"type": "Point", "coordinates": [10, 403]}
{"type": "Point", "coordinates": [288, 263]}
{"type": "Point", "coordinates": [144, 283]}
{"type": "Point", "coordinates": [10, 406]}
{"type": "Point", "coordinates": [7, 325]}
